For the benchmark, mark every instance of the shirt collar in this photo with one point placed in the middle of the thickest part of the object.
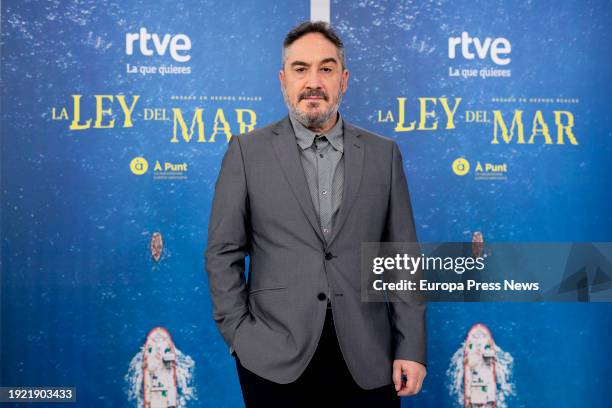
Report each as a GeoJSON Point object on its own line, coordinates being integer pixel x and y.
{"type": "Point", "coordinates": [305, 137]}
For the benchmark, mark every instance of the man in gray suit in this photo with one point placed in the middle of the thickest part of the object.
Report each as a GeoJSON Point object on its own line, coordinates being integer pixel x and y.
{"type": "Point", "coordinates": [299, 197]}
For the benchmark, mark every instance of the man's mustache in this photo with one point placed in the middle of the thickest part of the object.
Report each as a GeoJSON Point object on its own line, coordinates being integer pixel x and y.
{"type": "Point", "coordinates": [313, 92]}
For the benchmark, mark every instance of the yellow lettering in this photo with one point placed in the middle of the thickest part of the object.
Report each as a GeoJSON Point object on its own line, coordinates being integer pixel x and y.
{"type": "Point", "coordinates": [450, 114]}
{"type": "Point", "coordinates": [101, 112]}
{"type": "Point", "coordinates": [543, 129]}
{"type": "Point", "coordinates": [178, 120]}
{"type": "Point", "coordinates": [400, 127]}
{"type": "Point", "coordinates": [567, 128]}
{"type": "Point", "coordinates": [243, 126]}
{"type": "Point", "coordinates": [77, 115]}
{"type": "Point", "coordinates": [425, 114]}
{"type": "Point", "coordinates": [517, 121]}
{"type": "Point", "coordinates": [127, 122]}
{"type": "Point", "coordinates": [221, 125]}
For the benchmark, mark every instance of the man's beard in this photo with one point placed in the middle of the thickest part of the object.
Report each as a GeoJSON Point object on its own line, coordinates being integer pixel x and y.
{"type": "Point", "coordinates": [314, 120]}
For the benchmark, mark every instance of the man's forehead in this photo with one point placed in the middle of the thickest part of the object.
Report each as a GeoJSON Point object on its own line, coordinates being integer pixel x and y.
{"type": "Point", "coordinates": [312, 48]}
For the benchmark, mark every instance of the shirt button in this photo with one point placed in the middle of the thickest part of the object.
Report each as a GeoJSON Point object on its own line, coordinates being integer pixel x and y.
{"type": "Point", "coordinates": [325, 230]}
{"type": "Point", "coordinates": [321, 296]}
{"type": "Point", "coordinates": [320, 155]}
{"type": "Point", "coordinates": [328, 256]}
{"type": "Point", "coordinates": [324, 192]}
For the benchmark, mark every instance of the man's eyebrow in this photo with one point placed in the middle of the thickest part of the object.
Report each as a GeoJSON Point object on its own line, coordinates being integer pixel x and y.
{"type": "Point", "coordinates": [299, 63]}
{"type": "Point", "coordinates": [330, 59]}
{"type": "Point", "coordinates": [323, 61]}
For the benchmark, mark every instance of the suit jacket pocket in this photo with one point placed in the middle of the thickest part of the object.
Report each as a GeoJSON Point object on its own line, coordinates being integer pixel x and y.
{"type": "Point", "coordinates": [269, 306]}
{"type": "Point", "coordinates": [260, 290]}
{"type": "Point", "coordinates": [266, 331]}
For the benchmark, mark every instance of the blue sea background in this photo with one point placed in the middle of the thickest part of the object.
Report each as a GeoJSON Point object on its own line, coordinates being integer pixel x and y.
{"type": "Point", "coordinates": [79, 289]}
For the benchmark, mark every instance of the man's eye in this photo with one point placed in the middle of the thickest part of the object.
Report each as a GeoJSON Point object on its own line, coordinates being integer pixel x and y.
{"type": "Point", "coordinates": [326, 69]}
{"type": "Point", "coordinates": [300, 70]}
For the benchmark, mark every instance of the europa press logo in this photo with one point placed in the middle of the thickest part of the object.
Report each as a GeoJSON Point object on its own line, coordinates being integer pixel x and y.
{"type": "Point", "coordinates": [461, 166]}
{"type": "Point", "coordinates": [139, 166]}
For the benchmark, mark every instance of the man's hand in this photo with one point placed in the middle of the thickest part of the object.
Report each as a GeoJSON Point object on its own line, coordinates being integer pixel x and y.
{"type": "Point", "coordinates": [415, 374]}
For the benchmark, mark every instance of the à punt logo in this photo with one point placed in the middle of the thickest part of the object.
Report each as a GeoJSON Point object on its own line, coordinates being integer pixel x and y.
{"type": "Point", "coordinates": [161, 169]}
{"type": "Point", "coordinates": [139, 166]}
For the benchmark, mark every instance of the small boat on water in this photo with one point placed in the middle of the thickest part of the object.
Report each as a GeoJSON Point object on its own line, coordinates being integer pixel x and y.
{"type": "Point", "coordinates": [157, 246]}
{"type": "Point", "coordinates": [477, 244]}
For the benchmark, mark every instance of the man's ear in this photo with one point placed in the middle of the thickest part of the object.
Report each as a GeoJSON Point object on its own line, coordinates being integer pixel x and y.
{"type": "Point", "coordinates": [345, 77]}
{"type": "Point", "coordinates": [281, 77]}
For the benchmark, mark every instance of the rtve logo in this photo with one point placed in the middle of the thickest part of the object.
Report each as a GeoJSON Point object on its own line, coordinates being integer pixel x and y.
{"type": "Point", "coordinates": [177, 43]}
{"type": "Point", "coordinates": [498, 48]}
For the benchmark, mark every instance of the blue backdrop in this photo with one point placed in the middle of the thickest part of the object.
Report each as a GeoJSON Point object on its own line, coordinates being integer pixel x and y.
{"type": "Point", "coordinates": [80, 290]}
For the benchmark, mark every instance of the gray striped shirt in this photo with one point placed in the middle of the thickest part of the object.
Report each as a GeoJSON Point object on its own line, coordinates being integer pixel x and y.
{"type": "Point", "coordinates": [323, 162]}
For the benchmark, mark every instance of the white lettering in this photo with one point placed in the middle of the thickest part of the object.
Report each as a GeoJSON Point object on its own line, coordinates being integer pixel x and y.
{"type": "Point", "coordinates": [178, 44]}
{"type": "Point", "coordinates": [497, 48]}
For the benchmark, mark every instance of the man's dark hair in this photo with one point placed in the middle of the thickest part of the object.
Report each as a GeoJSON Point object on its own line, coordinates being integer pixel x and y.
{"type": "Point", "coordinates": [308, 27]}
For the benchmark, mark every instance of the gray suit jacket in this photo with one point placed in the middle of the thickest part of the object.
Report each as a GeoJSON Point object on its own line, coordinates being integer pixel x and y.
{"type": "Point", "coordinates": [262, 209]}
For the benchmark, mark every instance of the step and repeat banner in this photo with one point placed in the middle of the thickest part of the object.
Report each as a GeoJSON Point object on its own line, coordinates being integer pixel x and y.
{"type": "Point", "coordinates": [115, 117]}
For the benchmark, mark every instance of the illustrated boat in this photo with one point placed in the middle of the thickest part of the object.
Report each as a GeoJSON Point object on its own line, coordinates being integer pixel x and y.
{"type": "Point", "coordinates": [480, 383]}
{"type": "Point", "coordinates": [477, 244]}
{"type": "Point", "coordinates": [157, 246]}
{"type": "Point", "coordinates": [159, 370]}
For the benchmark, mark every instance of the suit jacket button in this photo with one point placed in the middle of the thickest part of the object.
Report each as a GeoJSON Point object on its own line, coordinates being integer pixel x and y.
{"type": "Point", "coordinates": [328, 256]}
{"type": "Point", "coordinates": [321, 296]}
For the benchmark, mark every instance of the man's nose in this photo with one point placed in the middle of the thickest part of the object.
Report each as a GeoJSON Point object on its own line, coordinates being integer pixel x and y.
{"type": "Point", "coordinates": [313, 79]}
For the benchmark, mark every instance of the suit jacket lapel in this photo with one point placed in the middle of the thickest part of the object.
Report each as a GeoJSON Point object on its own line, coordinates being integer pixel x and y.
{"type": "Point", "coordinates": [353, 166]}
{"type": "Point", "coordinates": [286, 149]}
